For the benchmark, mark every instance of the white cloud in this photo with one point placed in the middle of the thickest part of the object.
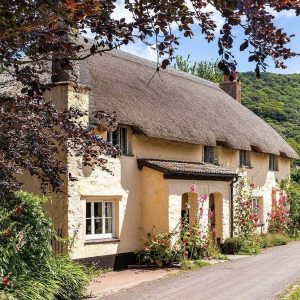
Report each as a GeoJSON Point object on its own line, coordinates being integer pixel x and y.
{"type": "Point", "coordinates": [120, 12]}
{"type": "Point", "coordinates": [282, 14]}
{"type": "Point", "coordinates": [140, 49]}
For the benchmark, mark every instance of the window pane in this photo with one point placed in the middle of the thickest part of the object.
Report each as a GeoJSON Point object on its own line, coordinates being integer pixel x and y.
{"type": "Point", "coordinates": [98, 226]}
{"type": "Point", "coordinates": [88, 210]}
{"type": "Point", "coordinates": [123, 140]}
{"type": "Point", "coordinates": [209, 156]}
{"type": "Point", "coordinates": [271, 162]}
{"type": "Point", "coordinates": [108, 225]}
{"type": "Point", "coordinates": [243, 161]}
{"type": "Point", "coordinates": [108, 209]}
{"type": "Point", "coordinates": [88, 226]}
{"type": "Point", "coordinates": [98, 209]}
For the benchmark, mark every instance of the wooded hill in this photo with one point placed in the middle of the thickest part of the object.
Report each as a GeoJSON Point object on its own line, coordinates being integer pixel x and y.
{"type": "Point", "coordinates": [276, 99]}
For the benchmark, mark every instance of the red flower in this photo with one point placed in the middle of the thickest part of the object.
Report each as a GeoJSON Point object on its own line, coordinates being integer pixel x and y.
{"type": "Point", "coordinates": [210, 214]}
{"type": "Point", "coordinates": [7, 232]}
{"type": "Point", "coordinates": [5, 281]}
{"type": "Point", "coordinates": [252, 185]}
{"type": "Point", "coordinates": [18, 210]}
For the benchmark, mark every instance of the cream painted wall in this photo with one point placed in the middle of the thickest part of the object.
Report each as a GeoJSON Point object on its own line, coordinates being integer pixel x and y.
{"type": "Point", "coordinates": [154, 202]}
{"type": "Point", "coordinates": [144, 147]}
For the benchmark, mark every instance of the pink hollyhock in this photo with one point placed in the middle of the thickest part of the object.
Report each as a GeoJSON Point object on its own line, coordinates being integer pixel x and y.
{"type": "Point", "coordinates": [201, 211]}
{"type": "Point", "coordinates": [210, 214]}
{"type": "Point", "coordinates": [193, 187]}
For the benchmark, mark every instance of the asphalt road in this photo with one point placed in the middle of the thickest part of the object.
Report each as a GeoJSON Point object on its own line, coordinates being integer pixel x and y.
{"type": "Point", "coordinates": [257, 277]}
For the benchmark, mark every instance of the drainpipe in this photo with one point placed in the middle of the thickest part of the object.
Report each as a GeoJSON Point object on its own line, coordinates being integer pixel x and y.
{"type": "Point", "coordinates": [235, 179]}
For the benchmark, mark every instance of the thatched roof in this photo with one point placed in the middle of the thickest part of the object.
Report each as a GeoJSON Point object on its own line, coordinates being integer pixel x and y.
{"type": "Point", "coordinates": [174, 169]}
{"type": "Point", "coordinates": [172, 105]}
{"type": "Point", "coordinates": [175, 106]}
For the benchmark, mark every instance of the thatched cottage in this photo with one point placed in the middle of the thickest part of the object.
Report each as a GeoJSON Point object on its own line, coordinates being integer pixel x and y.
{"type": "Point", "coordinates": [174, 130]}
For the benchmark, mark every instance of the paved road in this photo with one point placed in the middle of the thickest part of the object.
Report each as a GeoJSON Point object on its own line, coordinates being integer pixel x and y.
{"type": "Point", "coordinates": [253, 278]}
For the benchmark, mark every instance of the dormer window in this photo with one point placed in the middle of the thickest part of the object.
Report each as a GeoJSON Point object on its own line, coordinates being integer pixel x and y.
{"type": "Point", "coordinates": [244, 158]}
{"type": "Point", "coordinates": [209, 154]}
{"type": "Point", "coordinates": [273, 162]}
{"type": "Point", "coordinates": [119, 137]}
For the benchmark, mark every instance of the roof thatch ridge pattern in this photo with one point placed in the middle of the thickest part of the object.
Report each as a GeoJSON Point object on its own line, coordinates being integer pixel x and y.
{"type": "Point", "coordinates": [169, 69]}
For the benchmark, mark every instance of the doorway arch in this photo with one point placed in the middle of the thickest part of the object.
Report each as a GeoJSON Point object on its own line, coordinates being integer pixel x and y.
{"type": "Point", "coordinates": [215, 219]}
{"type": "Point", "coordinates": [189, 207]}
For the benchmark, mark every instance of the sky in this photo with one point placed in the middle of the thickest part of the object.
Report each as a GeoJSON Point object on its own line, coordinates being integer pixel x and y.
{"type": "Point", "coordinates": [198, 48]}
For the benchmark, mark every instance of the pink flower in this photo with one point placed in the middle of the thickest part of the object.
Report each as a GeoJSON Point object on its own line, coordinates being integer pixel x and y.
{"type": "Point", "coordinates": [204, 197]}
{"type": "Point", "coordinates": [201, 211]}
{"type": "Point", "coordinates": [210, 214]}
{"type": "Point", "coordinates": [193, 187]}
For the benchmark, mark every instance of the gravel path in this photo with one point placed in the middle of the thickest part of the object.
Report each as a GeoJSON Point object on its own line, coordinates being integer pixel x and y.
{"type": "Point", "coordinates": [257, 277]}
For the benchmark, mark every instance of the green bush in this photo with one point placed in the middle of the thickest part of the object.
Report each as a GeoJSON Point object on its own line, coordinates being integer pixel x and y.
{"type": "Point", "coordinates": [73, 278]}
{"type": "Point", "coordinates": [273, 239]}
{"type": "Point", "coordinates": [232, 245]}
{"type": "Point", "coordinates": [28, 269]}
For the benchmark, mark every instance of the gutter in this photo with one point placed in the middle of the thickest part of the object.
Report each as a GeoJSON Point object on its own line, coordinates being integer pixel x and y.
{"type": "Point", "coordinates": [235, 179]}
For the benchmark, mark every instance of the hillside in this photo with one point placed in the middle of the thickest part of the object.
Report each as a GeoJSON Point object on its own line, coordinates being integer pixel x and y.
{"type": "Point", "coordinates": [276, 99]}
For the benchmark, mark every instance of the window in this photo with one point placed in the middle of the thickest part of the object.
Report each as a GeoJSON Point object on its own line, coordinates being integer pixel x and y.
{"type": "Point", "coordinates": [257, 210]}
{"type": "Point", "coordinates": [209, 154]}
{"type": "Point", "coordinates": [119, 137]}
{"type": "Point", "coordinates": [273, 162]}
{"type": "Point", "coordinates": [244, 158]}
{"type": "Point", "coordinates": [100, 219]}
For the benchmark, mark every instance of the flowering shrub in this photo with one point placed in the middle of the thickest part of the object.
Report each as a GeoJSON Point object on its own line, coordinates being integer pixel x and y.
{"type": "Point", "coordinates": [279, 216]}
{"type": "Point", "coordinates": [186, 242]}
{"type": "Point", "coordinates": [28, 269]}
{"type": "Point", "coordinates": [244, 217]}
{"type": "Point", "coordinates": [192, 242]}
{"type": "Point", "coordinates": [292, 189]}
{"type": "Point", "coordinates": [159, 250]}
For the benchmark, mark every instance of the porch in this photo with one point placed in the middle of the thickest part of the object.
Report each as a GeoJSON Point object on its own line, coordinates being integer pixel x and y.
{"type": "Point", "coordinates": [173, 189]}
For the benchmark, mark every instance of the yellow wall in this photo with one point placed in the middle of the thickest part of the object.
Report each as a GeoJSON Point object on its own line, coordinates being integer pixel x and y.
{"type": "Point", "coordinates": [154, 202]}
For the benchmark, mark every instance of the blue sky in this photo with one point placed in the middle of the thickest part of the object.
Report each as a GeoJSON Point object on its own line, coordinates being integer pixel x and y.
{"type": "Point", "coordinates": [199, 49]}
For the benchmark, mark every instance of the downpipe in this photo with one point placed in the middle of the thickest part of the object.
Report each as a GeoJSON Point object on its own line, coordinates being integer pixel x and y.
{"type": "Point", "coordinates": [235, 179]}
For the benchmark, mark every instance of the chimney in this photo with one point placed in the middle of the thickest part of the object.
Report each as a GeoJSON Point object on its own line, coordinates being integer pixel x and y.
{"type": "Point", "coordinates": [232, 86]}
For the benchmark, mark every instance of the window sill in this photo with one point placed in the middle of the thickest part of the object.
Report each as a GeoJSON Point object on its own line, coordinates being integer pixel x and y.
{"type": "Point", "coordinates": [127, 155]}
{"type": "Point", "coordinates": [101, 241]}
{"type": "Point", "coordinates": [246, 167]}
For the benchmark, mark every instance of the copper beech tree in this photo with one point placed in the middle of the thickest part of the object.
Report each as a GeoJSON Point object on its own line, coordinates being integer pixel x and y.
{"type": "Point", "coordinates": [37, 33]}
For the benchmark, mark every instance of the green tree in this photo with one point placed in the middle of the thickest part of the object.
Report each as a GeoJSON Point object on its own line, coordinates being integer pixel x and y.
{"type": "Point", "coordinates": [205, 69]}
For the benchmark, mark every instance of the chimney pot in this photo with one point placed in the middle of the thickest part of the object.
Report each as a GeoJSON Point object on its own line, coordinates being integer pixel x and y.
{"type": "Point", "coordinates": [232, 86]}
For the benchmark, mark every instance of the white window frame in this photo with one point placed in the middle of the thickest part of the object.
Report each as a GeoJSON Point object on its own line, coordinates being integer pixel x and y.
{"type": "Point", "coordinates": [102, 235]}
